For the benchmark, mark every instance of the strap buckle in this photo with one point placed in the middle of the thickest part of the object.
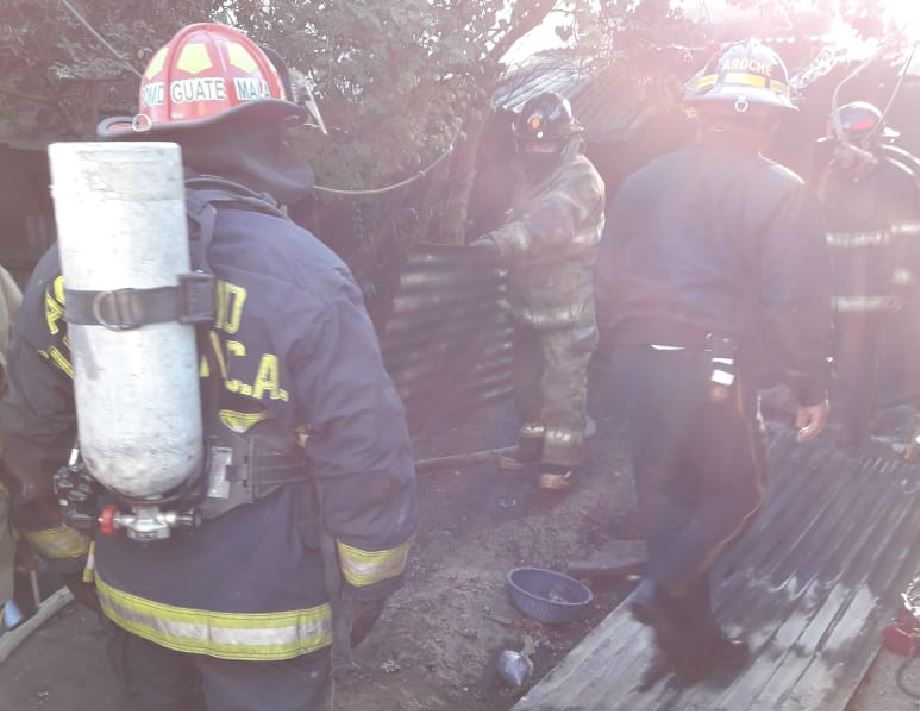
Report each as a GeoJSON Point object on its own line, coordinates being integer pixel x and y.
{"type": "Point", "coordinates": [196, 303]}
{"type": "Point", "coordinates": [117, 310]}
{"type": "Point", "coordinates": [191, 302]}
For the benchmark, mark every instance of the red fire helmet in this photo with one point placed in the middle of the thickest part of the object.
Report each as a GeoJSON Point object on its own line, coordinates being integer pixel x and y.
{"type": "Point", "coordinates": [206, 73]}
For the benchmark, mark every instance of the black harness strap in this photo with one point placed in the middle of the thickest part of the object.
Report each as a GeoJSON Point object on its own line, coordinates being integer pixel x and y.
{"type": "Point", "coordinates": [191, 301]}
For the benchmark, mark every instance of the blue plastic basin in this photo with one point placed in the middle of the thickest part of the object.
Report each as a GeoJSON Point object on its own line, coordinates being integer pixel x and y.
{"type": "Point", "coordinates": [547, 596]}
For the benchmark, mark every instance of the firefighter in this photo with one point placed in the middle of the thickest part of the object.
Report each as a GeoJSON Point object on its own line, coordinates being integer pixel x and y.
{"type": "Point", "coordinates": [713, 261]}
{"type": "Point", "coordinates": [549, 243]}
{"type": "Point", "coordinates": [238, 614]}
{"type": "Point", "coordinates": [869, 191]}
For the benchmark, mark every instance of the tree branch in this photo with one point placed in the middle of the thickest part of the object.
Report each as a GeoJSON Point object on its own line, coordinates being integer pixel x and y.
{"type": "Point", "coordinates": [528, 20]}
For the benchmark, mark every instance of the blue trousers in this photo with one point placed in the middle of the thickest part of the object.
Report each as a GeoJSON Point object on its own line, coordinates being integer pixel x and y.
{"type": "Point", "coordinates": [697, 463]}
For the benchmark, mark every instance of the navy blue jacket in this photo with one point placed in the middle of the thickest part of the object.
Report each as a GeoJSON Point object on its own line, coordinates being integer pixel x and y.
{"type": "Point", "coordinates": [713, 239]}
{"type": "Point", "coordinates": [295, 345]}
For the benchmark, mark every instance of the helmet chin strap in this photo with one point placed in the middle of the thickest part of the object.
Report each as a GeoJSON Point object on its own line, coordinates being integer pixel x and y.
{"type": "Point", "coordinates": [540, 163]}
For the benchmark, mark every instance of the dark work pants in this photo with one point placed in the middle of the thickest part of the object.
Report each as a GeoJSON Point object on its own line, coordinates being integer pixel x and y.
{"type": "Point", "coordinates": [856, 365]}
{"type": "Point", "coordinates": [898, 367]}
{"type": "Point", "coordinates": [698, 467]}
{"type": "Point", "coordinates": [154, 678]}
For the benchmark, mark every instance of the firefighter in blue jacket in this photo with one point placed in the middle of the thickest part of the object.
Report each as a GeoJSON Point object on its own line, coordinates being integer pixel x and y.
{"type": "Point", "coordinates": [237, 614]}
{"type": "Point", "coordinates": [713, 266]}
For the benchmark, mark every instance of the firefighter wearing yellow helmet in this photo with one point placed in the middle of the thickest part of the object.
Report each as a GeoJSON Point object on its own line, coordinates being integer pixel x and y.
{"type": "Point", "coordinates": [713, 265]}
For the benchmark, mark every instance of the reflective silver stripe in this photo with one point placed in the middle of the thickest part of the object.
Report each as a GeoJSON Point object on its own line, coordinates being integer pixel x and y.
{"type": "Point", "coordinates": [907, 229]}
{"type": "Point", "coordinates": [857, 239]}
{"type": "Point", "coordinates": [558, 437]}
{"type": "Point", "coordinates": [532, 430]}
{"type": "Point", "coordinates": [866, 303]}
{"type": "Point", "coordinates": [587, 239]}
{"type": "Point", "coordinates": [556, 317]}
{"type": "Point", "coordinates": [254, 636]}
{"type": "Point", "coordinates": [521, 240]}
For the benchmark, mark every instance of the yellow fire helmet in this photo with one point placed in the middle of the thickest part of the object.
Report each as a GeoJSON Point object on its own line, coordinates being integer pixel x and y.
{"type": "Point", "coordinates": [748, 73]}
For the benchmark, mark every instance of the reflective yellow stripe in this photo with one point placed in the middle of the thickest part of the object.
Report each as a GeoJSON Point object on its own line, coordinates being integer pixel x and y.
{"type": "Point", "coordinates": [362, 568]}
{"type": "Point", "coordinates": [755, 80]}
{"type": "Point", "coordinates": [225, 635]}
{"type": "Point", "coordinates": [707, 81]}
{"type": "Point", "coordinates": [780, 87]}
{"type": "Point", "coordinates": [57, 543]}
{"type": "Point", "coordinates": [60, 360]}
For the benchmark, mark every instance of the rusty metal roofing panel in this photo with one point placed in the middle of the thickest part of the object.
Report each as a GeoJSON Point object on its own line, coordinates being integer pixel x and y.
{"type": "Point", "coordinates": [812, 583]}
{"type": "Point", "coordinates": [447, 341]}
{"type": "Point", "coordinates": [611, 99]}
{"type": "Point", "coordinates": [557, 71]}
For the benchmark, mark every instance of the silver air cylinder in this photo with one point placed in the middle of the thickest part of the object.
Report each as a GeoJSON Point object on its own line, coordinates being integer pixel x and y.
{"type": "Point", "coordinates": [121, 224]}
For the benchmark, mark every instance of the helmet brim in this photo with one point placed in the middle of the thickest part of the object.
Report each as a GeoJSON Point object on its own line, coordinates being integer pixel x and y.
{"type": "Point", "coordinates": [131, 128]}
{"type": "Point", "coordinates": [730, 95]}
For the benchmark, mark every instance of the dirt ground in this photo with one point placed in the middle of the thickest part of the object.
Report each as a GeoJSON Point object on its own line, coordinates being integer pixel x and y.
{"type": "Point", "coordinates": [436, 645]}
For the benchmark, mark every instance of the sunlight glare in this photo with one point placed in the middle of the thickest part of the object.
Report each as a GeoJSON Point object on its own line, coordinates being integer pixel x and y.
{"type": "Point", "coordinates": [903, 11]}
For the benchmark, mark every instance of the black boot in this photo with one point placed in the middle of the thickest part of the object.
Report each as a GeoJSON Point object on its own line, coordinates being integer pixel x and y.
{"type": "Point", "coordinates": [653, 607]}
{"type": "Point", "coordinates": [658, 668]}
{"type": "Point", "coordinates": [731, 653]}
{"type": "Point", "coordinates": [716, 653]}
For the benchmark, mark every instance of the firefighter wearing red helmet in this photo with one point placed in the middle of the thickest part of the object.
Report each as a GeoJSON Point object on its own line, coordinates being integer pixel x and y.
{"type": "Point", "coordinates": [869, 188]}
{"type": "Point", "coordinates": [713, 264]}
{"type": "Point", "coordinates": [310, 528]}
{"type": "Point", "coordinates": [549, 242]}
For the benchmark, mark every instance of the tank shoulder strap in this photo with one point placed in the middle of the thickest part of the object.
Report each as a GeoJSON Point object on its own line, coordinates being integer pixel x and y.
{"type": "Point", "coordinates": [204, 196]}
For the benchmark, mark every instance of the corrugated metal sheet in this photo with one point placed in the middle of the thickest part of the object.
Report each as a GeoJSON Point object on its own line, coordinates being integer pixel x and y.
{"type": "Point", "coordinates": [609, 100]}
{"type": "Point", "coordinates": [812, 583]}
{"type": "Point", "coordinates": [613, 99]}
{"type": "Point", "coordinates": [546, 71]}
{"type": "Point", "coordinates": [447, 343]}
